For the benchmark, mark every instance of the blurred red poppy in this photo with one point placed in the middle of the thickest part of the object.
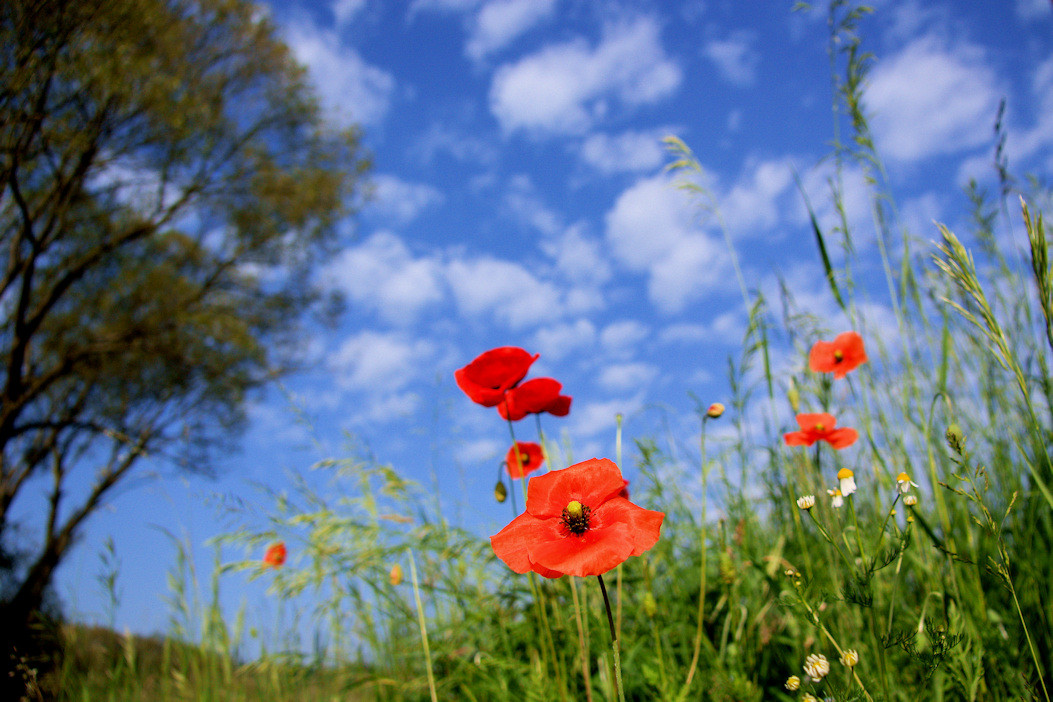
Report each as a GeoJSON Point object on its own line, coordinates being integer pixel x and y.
{"type": "Point", "coordinates": [576, 523]}
{"type": "Point", "coordinates": [275, 556]}
{"type": "Point", "coordinates": [487, 378]}
{"type": "Point", "coordinates": [534, 397]}
{"type": "Point", "coordinates": [839, 356]}
{"type": "Point", "coordinates": [524, 458]}
{"type": "Point", "coordinates": [820, 427]}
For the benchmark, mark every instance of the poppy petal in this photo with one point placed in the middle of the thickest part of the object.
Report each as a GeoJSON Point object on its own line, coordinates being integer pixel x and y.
{"type": "Point", "coordinates": [593, 553]}
{"type": "Point", "coordinates": [840, 438]}
{"type": "Point", "coordinates": [798, 438]}
{"type": "Point", "coordinates": [486, 379]}
{"type": "Point", "coordinates": [590, 482]}
{"type": "Point", "coordinates": [645, 525]}
{"type": "Point", "coordinates": [511, 543]}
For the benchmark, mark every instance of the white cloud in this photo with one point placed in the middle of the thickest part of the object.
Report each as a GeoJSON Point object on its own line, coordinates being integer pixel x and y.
{"type": "Point", "coordinates": [351, 90]}
{"type": "Point", "coordinates": [625, 153]}
{"type": "Point", "coordinates": [1026, 142]}
{"type": "Point", "coordinates": [557, 341]}
{"type": "Point", "coordinates": [508, 291]}
{"type": "Point", "coordinates": [591, 418]}
{"type": "Point", "coordinates": [441, 6]}
{"type": "Point", "coordinates": [1032, 9]}
{"type": "Point", "coordinates": [381, 274]}
{"type": "Point", "coordinates": [441, 138]}
{"type": "Point", "coordinates": [380, 362]}
{"type": "Point", "coordinates": [579, 257]}
{"type": "Point", "coordinates": [735, 57]}
{"type": "Point", "coordinates": [752, 204]}
{"type": "Point", "coordinates": [685, 333]}
{"type": "Point", "coordinates": [501, 21]}
{"type": "Point", "coordinates": [651, 229]}
{"type": "Point", "coordinates": [619, 339]}
{"type": "Point", "coordinates": [345, 10]}
{"type": "Point", "coordinates": [402, 201]}
{"type": "Point", "coordinates": [521, 198]}
{"type": "Point", "coordinates": [949, 111]}
{"type": "Point", "coordinates": [620, 377]}
{"type": "Point", "coordinates": [566, 88]}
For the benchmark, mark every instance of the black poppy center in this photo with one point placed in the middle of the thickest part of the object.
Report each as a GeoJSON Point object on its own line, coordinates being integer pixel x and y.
{"type": "Point", "coordinates": [576, 517]}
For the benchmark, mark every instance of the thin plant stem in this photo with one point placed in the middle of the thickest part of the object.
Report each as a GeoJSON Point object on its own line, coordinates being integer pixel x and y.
{"type": "Point", "coordinates": [583, 643]}
{"type": "Point", "coordinates": [702, 579]}
{"type": "Point", "coordinates": [423, 627]}
{"type": "Point", "coordinates": [614, 642]}
{"type": "Point", "coordinates": [826, 632]}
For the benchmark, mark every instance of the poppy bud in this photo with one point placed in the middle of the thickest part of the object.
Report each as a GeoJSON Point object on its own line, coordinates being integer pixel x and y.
{"type": "Point", "coordinates": [715, 410]}
{"type": "Point", "coordinates": [395, 576]}
{"type": "Point", "coordinates": [500, 491]}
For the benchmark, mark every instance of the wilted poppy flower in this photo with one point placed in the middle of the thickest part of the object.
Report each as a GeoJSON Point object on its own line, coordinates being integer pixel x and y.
{"type": "Point", "coordinates": [524, 458]}
{"type": "Point", "coordinates": [534, 397]}
{"type": "Point", "coordinates": [486, 379]}
{"type": "Point", "coordinates": [576, 524]}
{"type": "Point", "coordinates": [275, 556]}
{"type": "Point", "coordinates": [838, 356]}
{"type": "Point", "coordinates": [820, 427]}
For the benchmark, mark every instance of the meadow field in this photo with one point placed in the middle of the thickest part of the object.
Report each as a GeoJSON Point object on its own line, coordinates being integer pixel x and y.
{"type": "Point", "coordinates": [921, 569]}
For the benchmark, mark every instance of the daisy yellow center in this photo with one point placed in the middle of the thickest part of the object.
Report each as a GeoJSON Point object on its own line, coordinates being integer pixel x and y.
{"type": "Point", "coordinates": [576, 517]}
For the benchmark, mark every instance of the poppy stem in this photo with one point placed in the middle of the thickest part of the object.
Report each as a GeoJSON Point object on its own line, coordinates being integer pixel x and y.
{"type": "Point", "coordinates": [614, 642]}
{"type": "Point", "coordinates": [515, 447]}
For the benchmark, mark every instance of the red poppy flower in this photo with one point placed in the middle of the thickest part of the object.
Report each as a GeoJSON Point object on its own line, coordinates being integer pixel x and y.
{"type": "Point", "coordinates": [487, 378]}
{"type": "Point", "coordinates": [820, 427]}
{"type": "Point", "coordinates": [275, 556]}
{"type": "Point", "coordinates": [575, 523]}
{"type": "Point", "coordinates": [838, 356]}
{"type": "Point", "coordinates": [534, 397]}
{"type": "Point", "coordinates": [524, 458]}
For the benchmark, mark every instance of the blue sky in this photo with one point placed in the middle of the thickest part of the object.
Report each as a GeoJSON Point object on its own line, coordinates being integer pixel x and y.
{"type": "Point", "coordinates": [521, 198]}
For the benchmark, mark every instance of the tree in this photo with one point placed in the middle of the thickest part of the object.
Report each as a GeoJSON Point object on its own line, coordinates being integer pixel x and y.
{"type": "Point", "coordinates": [167, 186]}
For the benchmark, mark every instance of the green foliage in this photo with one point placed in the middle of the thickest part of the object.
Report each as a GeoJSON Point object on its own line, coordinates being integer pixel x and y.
{"type": "Point", "coordinates": [941, 591]}
{"type": "Point", "coordinates": [167, 183]}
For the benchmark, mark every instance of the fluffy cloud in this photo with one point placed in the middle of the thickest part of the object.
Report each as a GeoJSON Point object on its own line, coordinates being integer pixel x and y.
{"type": "Point", "coordinates": [565, 88]}
{"type": "Point", "coordinates": [735, 57]}
{"type": "Point", "coordinates": [379, 362]}
{"type": "Point", "coordinates": [558, 341]}
{"type": "Point", "coordinates": [402, 201]}
{"type": "Point", "coordinates": [591, 418]}
{"type": "Point", "coordinates": [951, 110]}
{"type": "Point", "coordinates": [651, 229]}
{"type": "Point", "coordinates": [753, 203]}
{"type": "Point", "coordinates": [624, 153]}
{"type": "Point", "coordinates": [619, 339]}
{"type": "Point", "coordinates": [621, 377]}
{"type": "Point", "coordinates": [505, 290]}
{"type": "Point", "coordinates": [382, 275]}
{"type": "Point", "coordinates": [351, 90]}
{"type": "Point", "coordinates": [345, 10]}
{"type": "Point", "coordinates": [501, 21]}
